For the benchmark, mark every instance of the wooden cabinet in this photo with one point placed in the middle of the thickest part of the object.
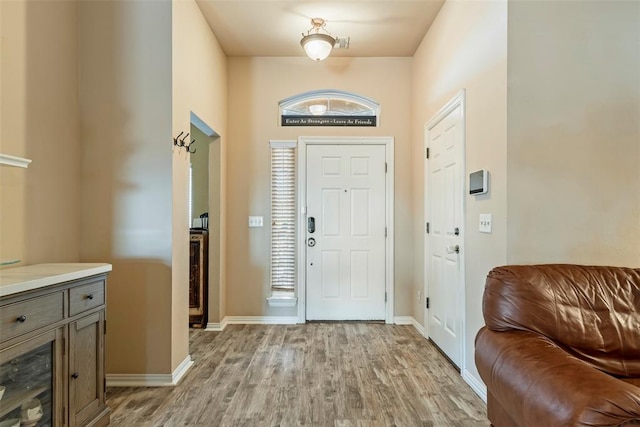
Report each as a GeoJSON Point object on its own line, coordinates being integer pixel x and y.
{"type": "Point", "coordinates": [198, 278]}
{"type": "Point", "coordinates": [86, 368]}
{"type": "Point", "coordinates": [52, 354]}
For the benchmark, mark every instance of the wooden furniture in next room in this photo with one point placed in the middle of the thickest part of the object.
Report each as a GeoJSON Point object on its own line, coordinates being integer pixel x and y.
{"type": "Point", "coordinates": [198, 278]}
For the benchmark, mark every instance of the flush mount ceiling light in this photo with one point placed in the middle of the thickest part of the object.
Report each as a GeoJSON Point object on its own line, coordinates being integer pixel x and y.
{"type": "Point", "coordinates": [317, 45]}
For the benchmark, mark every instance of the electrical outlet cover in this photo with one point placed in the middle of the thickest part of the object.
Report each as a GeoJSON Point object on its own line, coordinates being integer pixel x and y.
{"type": "Point", "coordinates": [255, 221]}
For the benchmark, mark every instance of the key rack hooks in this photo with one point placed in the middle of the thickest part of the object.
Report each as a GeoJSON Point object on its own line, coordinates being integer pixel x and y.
{"type": "Point", "coordinates": [180, 142]}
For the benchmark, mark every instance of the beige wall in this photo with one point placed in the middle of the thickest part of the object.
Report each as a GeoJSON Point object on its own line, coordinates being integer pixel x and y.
{"type": "Point", "coordinates": [199, 86]}
{"type": "Point", "coordinates": [102, 72]}
{"type": "Point", "coordinates": [217, 255]}
{"type": "Point", "coordinates": [39, 120]}
{"type": "Point", "coordinates": [465, 48]}
{"type": "Point", "coordinates": [255, 87]}
{"type": "Point", "coordinates": [574, 132]}
{"type": "Point", "coordinates": [126, 182]}
{"type": "Point", "coordinates": [199, 173]}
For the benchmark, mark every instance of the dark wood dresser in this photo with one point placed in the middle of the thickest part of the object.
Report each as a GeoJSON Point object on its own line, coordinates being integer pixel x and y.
{"type": "Point", "coordinates": [198, 278]}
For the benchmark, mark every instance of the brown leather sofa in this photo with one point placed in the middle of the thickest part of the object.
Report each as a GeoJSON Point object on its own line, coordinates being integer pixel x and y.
{"type": "Point", "coordinates": [561, 346]}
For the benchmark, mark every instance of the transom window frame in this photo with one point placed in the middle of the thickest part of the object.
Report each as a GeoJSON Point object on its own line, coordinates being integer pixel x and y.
{"type": "Point", "coordinates": [369, 106]}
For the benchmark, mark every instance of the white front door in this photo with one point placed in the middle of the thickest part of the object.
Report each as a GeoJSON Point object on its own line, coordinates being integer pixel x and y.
{"type": "Point", "coordinates": [345, 232]}
{"type": "Point", "coordinates": [444, 215]}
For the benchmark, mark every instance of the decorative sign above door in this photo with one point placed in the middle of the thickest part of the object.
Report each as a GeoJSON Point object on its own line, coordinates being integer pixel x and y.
{"type": "Point", "coordinates": [348, 121]}
{"type": "Point", "coordinates": [330, 108]}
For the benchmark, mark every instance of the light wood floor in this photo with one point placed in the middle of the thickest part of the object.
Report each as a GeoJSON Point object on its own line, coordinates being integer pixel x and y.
{"type": "Point", "coordinates": [318, 374]}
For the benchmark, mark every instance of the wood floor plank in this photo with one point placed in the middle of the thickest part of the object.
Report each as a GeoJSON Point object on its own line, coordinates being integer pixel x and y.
{"type": "Point", "coordinates": [318, 374]}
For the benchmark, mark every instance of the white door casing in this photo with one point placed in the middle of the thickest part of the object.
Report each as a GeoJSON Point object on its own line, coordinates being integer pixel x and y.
{"type": "Point", "coordinates": [444, 213]}
{"type": "Point", "coordinates": [344, 187]}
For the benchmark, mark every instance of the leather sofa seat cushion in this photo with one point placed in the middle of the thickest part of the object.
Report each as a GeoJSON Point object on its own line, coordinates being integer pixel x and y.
{"type": "Point", "coordinates": [632, 381]}
{"type": "Point", "coordinates": [591, 312]}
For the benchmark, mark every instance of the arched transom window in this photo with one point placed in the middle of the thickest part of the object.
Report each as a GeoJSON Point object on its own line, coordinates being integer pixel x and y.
{"type": "Point", "coordinates": [329, 108]}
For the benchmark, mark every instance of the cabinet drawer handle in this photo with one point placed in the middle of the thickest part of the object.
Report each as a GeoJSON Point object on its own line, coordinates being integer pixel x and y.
{"type": "Point", "coordinates": [90, 296]}
{"type": "Point", "coordinates": [75, 375]}
{"type": "Point", "coordinates": [22, 319]}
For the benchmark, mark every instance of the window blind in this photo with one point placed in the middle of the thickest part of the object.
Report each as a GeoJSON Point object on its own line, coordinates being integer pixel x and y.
{"type": "Point", "coordinates": [283, 218]}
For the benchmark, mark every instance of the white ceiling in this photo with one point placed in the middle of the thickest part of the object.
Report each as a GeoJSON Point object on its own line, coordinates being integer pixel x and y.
{"type": "Point", "coordinates": [274, 28]}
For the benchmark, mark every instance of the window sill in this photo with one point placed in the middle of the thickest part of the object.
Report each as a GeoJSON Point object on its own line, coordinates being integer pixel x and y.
{"type": "Point", "coordinates": [282, 301]}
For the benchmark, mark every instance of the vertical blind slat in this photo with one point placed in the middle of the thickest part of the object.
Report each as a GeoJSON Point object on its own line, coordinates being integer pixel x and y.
{"type": "Point", "coordinates": [283, 218]}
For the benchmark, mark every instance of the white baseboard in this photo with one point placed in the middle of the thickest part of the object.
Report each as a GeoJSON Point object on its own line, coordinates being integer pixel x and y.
{"type": "Point", "coordinates": [403, 320]}
{"type": "Point", "coordinates": [259, 320]}
{"type": "Point", "coordinates": [251, 320]}
{"type": "Point", "coordinates": [475, 384]}
{"type": "Point", "coordinates": [150, 380]}
{"type": "Point", "coordinates": [409, 320]}
{"type": "Point", "coordinates": [418, 327]}
{"type": "Point", "coordinates": [215, 327]}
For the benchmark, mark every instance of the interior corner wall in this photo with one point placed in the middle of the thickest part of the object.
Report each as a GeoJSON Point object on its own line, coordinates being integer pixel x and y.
{"type": "Point", "coordinates": [574, 134]}
{"type": "Point", "coordinates": [39, 114]}
{"type": "Point", "coordinates": [199, 173]}
{"type": "Point", "coordinates": [126, 178]}
{"type": "Point", "coordinates": [465, 48]}
{"type": "Point", "coordinates": [256, 85]}
{"type": "Point", "coordinates": [199, 87]}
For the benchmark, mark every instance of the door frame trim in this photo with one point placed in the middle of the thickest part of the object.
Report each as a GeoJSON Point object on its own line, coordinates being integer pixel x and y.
{"type": "Point", "coordinates": [388, 142]}
{"type": "Point", "coordinates": [459, 100]}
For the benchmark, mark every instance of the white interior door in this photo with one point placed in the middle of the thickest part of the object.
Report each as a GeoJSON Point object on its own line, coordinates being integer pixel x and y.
{"type": "Point", "coordinates": [444, 214]}
{"type": "Point", "coordinates": [345, 271]}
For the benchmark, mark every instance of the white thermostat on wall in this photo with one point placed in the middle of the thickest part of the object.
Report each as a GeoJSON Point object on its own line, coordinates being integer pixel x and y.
{"type": "Point", "coordinates": [478, 182]}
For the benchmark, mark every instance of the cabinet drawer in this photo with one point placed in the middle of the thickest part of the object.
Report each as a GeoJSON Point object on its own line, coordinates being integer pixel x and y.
{"type": "Point", "coordinates": [86, 297]}
{"type": "Point", "coordinates": [28, 315]}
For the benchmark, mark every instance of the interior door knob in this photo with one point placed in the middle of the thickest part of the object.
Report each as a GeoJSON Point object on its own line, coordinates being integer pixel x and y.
{"type": "Point", "coordinates": [451, 249]}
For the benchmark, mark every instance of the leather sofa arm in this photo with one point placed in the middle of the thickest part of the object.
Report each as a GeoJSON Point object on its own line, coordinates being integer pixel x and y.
{"type": "Point", "coordinates": [539, 384]}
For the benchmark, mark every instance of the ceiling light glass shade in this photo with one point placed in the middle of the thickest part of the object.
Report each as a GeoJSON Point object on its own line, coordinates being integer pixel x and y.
{"type": "Point", "coordinates": [317, 46]}
{"type": "Point", "coordinates": [317, 109]}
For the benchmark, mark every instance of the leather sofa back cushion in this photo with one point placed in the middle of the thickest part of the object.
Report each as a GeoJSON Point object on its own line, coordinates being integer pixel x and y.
{"type": "Point", "coordinates": [593, 312]}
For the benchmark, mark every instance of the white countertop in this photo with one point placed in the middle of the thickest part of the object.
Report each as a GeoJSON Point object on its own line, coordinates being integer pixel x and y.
{"type": "Point", "coordinates": [29, 277]}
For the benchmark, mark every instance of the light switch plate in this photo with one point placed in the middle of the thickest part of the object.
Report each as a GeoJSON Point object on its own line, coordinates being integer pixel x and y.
{"type": "Point", "coordinates": [255, 221]}
{"type": "Point", "coordinates": [485, 223]}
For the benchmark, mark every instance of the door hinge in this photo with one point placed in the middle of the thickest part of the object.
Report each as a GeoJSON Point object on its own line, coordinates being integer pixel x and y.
{"type": "Point", "coordinates": [426, 304]}
{"type": "Point", "coordinates": [385, 232]}
{"type": "Point", "coordinates": [105, 327]}
{"type": "Point", "coordinates": [385, 296]}
{"type": "Point", "coordinates": [104, 381]}
{"type": "Point", "coordinates": [427, 152]}
{"type": "Point", "coordinates": [427, 227]}
{"type": "Point", "coordinates": [386, 167]}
